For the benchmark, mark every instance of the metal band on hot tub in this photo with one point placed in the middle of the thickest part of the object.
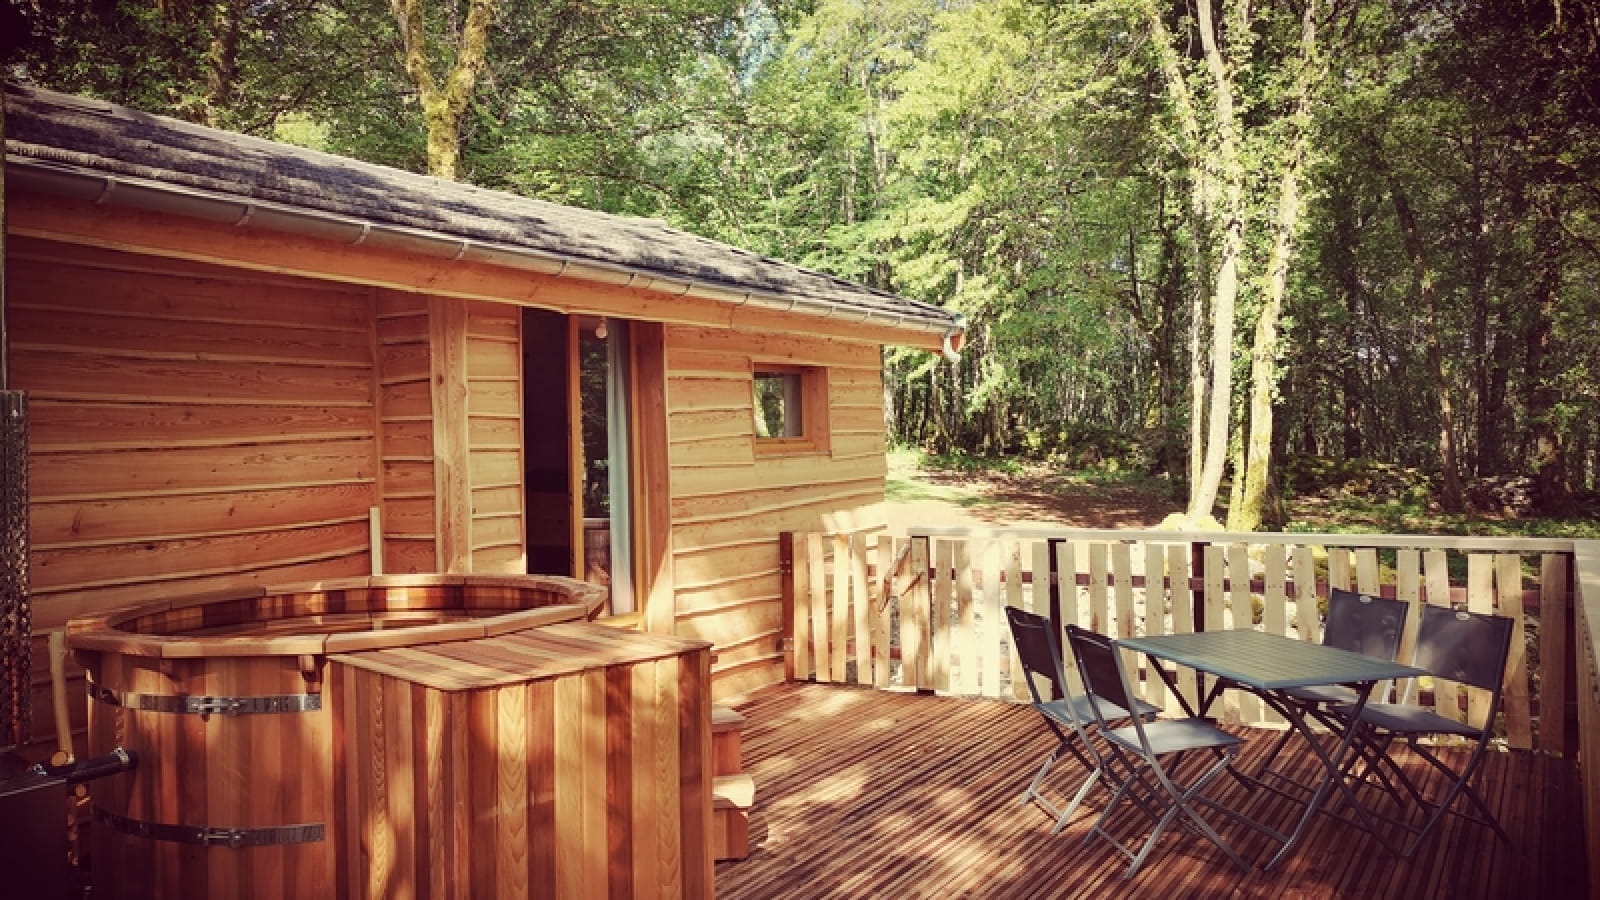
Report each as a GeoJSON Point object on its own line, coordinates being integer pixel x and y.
{"type": "Point", "coordinates": [205, 706]}
{"type": "Point", "coordinates": [213, 835]}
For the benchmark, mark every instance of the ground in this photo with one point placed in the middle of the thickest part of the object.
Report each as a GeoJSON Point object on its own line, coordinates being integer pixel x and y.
{"type": "Point", "coordinates": [1026, 496]}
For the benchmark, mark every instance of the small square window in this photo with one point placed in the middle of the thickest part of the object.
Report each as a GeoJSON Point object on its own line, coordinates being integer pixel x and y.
{"type": "Point", "coordinates": [780, 405]}
{"type": "Point", "coordinates": [791, 409]}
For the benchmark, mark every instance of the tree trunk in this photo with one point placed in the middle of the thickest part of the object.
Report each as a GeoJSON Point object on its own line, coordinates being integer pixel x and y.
{"type": "Point", "coordinates": [444, 104]}
{"type": "Point", "coordinates": [1225, 161]}
{"type": "Point", "coordinates": [1264, 369]}
{"type": "Point", "coordinates": [1203, 202]}
{"type": "Point", "coordinates": [1450, 489]}
{"type": "Point", "coordinates": [222, 59]}
{"type": "Point", "coordinates": [1548, 457]}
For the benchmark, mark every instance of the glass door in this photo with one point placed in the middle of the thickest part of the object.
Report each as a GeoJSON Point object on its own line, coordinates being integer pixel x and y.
{"type": "Point", "coordinates": [607, 459]}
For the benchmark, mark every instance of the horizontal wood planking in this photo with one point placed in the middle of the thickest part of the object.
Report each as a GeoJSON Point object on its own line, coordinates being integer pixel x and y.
{"type": "Point", "coordinates": [215, 554]}
{"type": "Point", "coordinates": [729, 506]}
{"type": "Point", "coordinates": [66, 605]}
{"type": "Point", "coordinates": [76, 278]}
{"type": "Point", "coordinates": [189, 426]}
{"type": "Point", "coordinates": [56, 425]}
{"type": "Point", "coordinates": [494, 437]}
{"type": "Point", "coordinates": [196, 470]}
{"type": "Point", "coordinates": [404, 398]}
{"type": "Point", "coordinates": [121, 379]}
{"type": "Point", "coordinates": [127, 335]}
{"type": "Point", "coordinates": [68, 524]}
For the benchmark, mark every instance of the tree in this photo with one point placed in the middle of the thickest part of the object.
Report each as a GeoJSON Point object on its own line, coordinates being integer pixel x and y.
{"type": "Point", "coordinates": [460, 56]}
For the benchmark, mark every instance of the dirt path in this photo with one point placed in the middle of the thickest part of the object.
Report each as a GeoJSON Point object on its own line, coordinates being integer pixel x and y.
{"type": "Point", "coordinates": [944, 499]}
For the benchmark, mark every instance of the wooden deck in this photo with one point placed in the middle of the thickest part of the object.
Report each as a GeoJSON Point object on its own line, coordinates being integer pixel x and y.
{"type": "Point", "coordinates": [863, 793]}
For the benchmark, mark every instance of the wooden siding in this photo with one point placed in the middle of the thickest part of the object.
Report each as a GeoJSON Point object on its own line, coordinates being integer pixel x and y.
{"type": "Point", "coordinates": [885, 794]}
{"type": "Point", "coordinates": [729, 505]}
{"type": "Point", "coordinates": [405, 433]}
{"type": "Point", "coordinates": [189, 428]}
{"type": "Point", "coordinates": [494, 438]}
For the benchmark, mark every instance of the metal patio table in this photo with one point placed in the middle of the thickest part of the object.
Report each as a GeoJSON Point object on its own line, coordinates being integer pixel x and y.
{"type": "Point", "coordinates": [1265, 664]}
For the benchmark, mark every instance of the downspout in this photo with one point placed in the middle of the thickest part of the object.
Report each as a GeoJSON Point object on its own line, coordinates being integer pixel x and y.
{"type": "Point", "coordinates": [954, 340]}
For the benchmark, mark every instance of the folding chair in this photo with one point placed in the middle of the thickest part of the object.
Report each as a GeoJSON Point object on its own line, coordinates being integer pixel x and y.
{"type": "Point", "coordinates": [1139, 748]}
{"type": "Point", "coordinates": [1360, 623]}
{"type": "Point", "coordinates": [1068, 716]}
{"type": "Point", "coordinates": [1461, 647]}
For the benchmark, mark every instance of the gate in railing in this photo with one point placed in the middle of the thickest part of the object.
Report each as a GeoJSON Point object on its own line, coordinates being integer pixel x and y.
{"type": "Point", "coordinates": [924, 612]}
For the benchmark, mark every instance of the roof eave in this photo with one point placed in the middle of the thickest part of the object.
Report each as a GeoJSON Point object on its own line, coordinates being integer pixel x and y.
{"type": "Point", "coordinates": [102, 188]}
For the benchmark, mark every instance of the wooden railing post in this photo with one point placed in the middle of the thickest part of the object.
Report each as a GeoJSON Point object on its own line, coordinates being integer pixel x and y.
{"type": "Point", "coordinates": [789, 629]}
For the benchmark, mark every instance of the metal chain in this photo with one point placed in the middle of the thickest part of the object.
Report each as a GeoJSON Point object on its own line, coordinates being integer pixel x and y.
{"type": "Point", "coordinates": [16, 617]}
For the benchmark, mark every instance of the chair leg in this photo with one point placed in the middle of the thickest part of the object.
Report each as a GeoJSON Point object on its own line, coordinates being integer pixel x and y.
{"type": "Point", "coordinates": [1032, 790]}
{"type": "Point", "coordinates": [1077, 799]}
{"type": "Point", "coordinates": [1462, 785]}
{"type": "Point", "coordinates": [1180, 804]}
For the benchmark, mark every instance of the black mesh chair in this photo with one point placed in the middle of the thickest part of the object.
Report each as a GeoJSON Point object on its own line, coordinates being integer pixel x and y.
{"type": "Point", "coordinates": [1360, 623]}
{"type": "Point", "coordinates": [1068, 716]}
{"type": "Point", "coordinates": [1464, 648]}
{"type": "Point", "coordinates": [1141, 756]}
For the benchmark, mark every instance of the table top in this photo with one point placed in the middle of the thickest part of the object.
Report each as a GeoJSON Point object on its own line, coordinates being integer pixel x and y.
{"type": "Point", "coordinates": [1267, 662]}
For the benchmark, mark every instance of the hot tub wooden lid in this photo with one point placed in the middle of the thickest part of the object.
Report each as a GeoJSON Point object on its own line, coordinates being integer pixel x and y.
{"type": "Point", "coordinates": [518, 656]}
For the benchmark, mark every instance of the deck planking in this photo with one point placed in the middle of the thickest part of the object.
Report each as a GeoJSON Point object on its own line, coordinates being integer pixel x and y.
{"type": "Point", "coordinates": [864, 793]}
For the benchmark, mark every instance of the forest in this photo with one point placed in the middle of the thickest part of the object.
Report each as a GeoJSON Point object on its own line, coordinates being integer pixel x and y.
{"type": "Point", "coordinates": [1227, 243]}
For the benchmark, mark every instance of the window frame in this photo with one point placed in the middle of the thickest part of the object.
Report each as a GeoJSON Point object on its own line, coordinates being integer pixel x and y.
{"type": "Point", "coordinates": [815, 431]}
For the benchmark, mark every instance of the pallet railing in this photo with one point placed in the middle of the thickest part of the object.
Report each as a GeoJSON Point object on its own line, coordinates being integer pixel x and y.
{"type": "Point", "coordinates": [924, 611]}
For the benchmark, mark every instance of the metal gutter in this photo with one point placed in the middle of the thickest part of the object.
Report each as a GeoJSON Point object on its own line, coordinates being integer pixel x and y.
{"type": "Point", "coordinates": [99, 188]}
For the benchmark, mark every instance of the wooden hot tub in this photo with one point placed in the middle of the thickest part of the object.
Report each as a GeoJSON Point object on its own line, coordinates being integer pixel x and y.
{"type": "Point", "coordinates": [255, 782]}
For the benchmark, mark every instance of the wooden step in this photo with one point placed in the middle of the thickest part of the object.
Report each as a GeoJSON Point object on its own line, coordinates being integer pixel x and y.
{"type": "Point", "coordinates": [732, 797]}
{"type": "Point", "coordinates": [726, 726]}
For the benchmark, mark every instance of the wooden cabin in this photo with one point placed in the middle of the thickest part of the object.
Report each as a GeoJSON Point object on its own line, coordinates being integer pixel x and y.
{"type": "Point", "coordinates": [251, 364]}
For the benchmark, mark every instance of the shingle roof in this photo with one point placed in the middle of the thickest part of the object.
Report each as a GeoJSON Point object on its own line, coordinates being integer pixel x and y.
{"type": "Point", "coordinates": [49, 130]}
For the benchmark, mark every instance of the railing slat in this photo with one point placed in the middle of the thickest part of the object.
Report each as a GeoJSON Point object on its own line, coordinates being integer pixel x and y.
{"type": "Point", "coordinates": [944, 556]}
{"type": "Point", "coordinates": [1182, 615]}
{"type": "Point", "coordinates": [1155, 605]}
{"type": "Point", "coordinates": [1099, 596]}
{"type": "Point", "coordinates": [917, 625]}
{"type": "Point", "coordinates": [1480, 599]}
{"type": "Point", "coordinates": [1071, 613]}
{"type": "Point", "coordinates": [1508, 581]}
{"type": "Point", "coordinates": [1013, 556]}
{"type": "Point", "coordinates": [839, 621]}
{"type": "Point", "coordinates": [965, 642]}
{"type": "Point", "coordinates": [989, 614]}
{"type": "Point", "coordinates": [1555, 665]}
{"type": "Point", "coordinates": [861, 607]}
{"type": "Point", "coordinates": [1436, 568]}
{"type": "Point", "coordinates": [817, 603]}
{"type": "Point", "coordinates": [1242, 615]}
{"type": "Point", "coordinates": [882, 650]}
{"type": "Point", "coordinates": [1367, 570]}
{"type": "Point", "coordinates": [1339, 568]}
{"type": "Point", "coordinates": [1274, 602]}
{"type": "Point", "coordinates": [1307, 618]}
